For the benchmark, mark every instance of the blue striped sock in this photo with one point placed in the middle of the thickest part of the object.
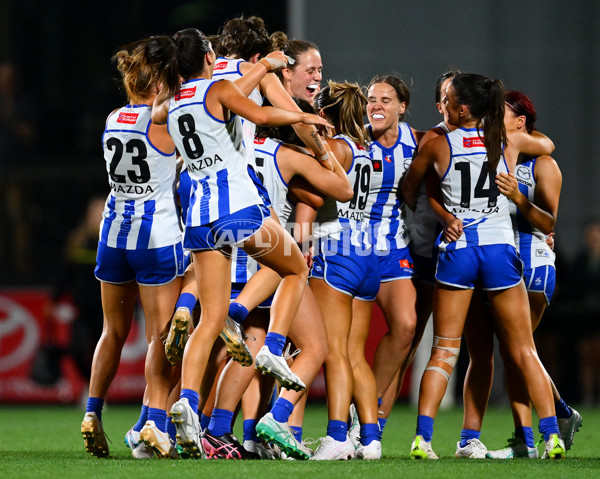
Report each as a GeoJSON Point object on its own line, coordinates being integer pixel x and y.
{"type": "Point", "coordinates": [467, 434]}
{"type": "Point", "coordinates": [425, 427]}
{"type": "Point", "coordinates": [220, 422]}
{"type": "Point", "coordinates": [192, 397]}
{"type": "Point", "coordinates": [297, 433]}
{"type": "Point", "coordinates": [186, 300]}
{"type": "Point", "coordinates": [95, 405]}
{"type": "Point", "coordinates": [142, 420]}
{"type": "Point", "coordinates": [562, 410]}
{"type": "Point", "coordinates": [159, 416]}
{"type": "Point", "coordinates": [275, 342]}
{"type": "Point", "coordinates": [250, 430]}
{"type": "Point", "coordinates": [282, 410]}
{"type": "Point", "coordinates": [548, 426]}
{"type": "Point", "coordinates": [171, 429]}
{"type": "Point", "coordinates": [525, 434]}
{"type": "Point", "coordinates": [337, 430]}
{"type": "Point", "coordinates": [369, 433]}
{"type": "Point", "coordinates": [238, 312]}
{"type": "Point", "coordinates": [382, 422]}
{"type": "Point", "coordinates": [204, 421]}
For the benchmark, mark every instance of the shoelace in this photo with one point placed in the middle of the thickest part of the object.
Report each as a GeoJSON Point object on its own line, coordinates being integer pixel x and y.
{"type": "Point", "coordinates": [540, 441]}
{"type": "Point", "coordinates": [286, 353]}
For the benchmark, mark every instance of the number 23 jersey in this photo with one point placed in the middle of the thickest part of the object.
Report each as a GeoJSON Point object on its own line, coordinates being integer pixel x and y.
{"type": "Point", "coordinates": [140, 212]}
{"type": "Point", "coordinates": [470, 192]}
{"type": "Point", "coordinates": [214, 155]}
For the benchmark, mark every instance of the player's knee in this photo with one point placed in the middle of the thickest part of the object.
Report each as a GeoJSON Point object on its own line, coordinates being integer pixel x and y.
{"type": "Point", "coordinates": [444, 355]}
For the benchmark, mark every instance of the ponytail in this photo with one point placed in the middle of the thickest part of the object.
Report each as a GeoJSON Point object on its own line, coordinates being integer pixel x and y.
{"type": "Point", "coordinates": [485, 98]}
{"type": "Point", "coordinates": [494, 131]}
{"type": "Point", "coordinates": [344, 104]}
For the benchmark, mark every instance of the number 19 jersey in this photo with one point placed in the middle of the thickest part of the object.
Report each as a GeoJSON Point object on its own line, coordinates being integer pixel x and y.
{"type": "Point", "coordinates": [214, 155]}
{"type": "Point", "coordinates": [346, 221]}
{"type": "Point", "coordinates": [470, 193]}
{"type": "Point", "coordinates": [140, 212]}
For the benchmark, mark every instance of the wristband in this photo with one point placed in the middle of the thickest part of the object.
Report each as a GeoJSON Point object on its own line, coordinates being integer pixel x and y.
{"type": "Point", "coordinates": [266, 63]}
{"type": "Point", "coordinates": [325, 157]}
{"type": "Point", "coordinates": [272, 63]}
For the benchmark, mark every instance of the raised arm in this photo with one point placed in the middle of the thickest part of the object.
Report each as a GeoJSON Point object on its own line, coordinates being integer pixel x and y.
{"type": "Point", "coordinates": [253, 76]}
{"type": "Point", "coordinates": [274, 91]}
{"type": "Point", "coordinates": [532, 144]}
{"type": "Point", "coordinates": [226, 94]}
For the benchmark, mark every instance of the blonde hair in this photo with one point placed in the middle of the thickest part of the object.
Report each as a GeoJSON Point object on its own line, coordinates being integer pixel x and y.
{"type": "Point", "coordinates": [138, 75]}
{"type": "Point", "coordinates": [344, 104]}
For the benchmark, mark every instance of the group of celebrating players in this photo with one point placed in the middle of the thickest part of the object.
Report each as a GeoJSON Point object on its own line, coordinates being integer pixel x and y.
{"type": "Point", "coordinates": [296, 218]}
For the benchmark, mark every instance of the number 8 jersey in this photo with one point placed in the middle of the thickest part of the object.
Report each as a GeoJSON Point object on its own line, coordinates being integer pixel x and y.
{"type": "Point", "coordinates": [214, 155]}
{"type": "Point", "coordinates": [140, 212]}
{"type": "Point", "coordinates": [470, 193]}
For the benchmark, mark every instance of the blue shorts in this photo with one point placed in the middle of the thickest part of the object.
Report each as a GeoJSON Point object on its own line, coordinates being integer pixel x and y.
{"type": "Point", "coordinates": [424, 268]}
{"type": "Point", "coordinates": [493, 267]}
{"type": "Point", "coordinates": [229, 230]}
{"type": "Point", "coordinates": [541, 280]}
{"type": "Point", "coordinates": [148, 267]}
{"type": "Point", "coordinates": [395, 264]}
{"type": "Point", "coordinates": [236, 289]}
{"type": "Point", "coordinates": [352, 272]}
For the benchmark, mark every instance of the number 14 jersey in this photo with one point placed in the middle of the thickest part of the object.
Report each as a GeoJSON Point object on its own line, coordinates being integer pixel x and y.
{"type": "Point", "coordinates": [470, 192]}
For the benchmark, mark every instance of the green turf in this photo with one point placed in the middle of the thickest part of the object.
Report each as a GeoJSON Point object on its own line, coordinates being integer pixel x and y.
{"type": "Point", "coordinates": [45, 442]}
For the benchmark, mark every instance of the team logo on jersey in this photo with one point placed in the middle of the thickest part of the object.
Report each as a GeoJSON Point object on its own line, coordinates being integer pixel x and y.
{"type": "Point", "coordinates": [523, 173]}
{"type": "Point", "coordinates": [220, 66]}
{"type": "Point", "coordinates": [474, 142]}
{"type": "Point", "coordinates": [185, 93]}
{"type": "Point", "coordinates": [377, 166]}
{"type": "Point", "coordinates": [129, 118]}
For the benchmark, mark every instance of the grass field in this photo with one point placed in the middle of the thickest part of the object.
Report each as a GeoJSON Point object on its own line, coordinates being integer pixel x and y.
{"type": "Point", "coordinates": [38, 442]}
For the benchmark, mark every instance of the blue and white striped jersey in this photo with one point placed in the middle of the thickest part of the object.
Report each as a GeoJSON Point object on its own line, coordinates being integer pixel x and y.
{"type": "Point", "coordinates": [424, 227]}
{"type": "Point", "coordinates": [530, 241]}
{"type": "Point", "coordinates": [214, 155]}
{"type": "Point", "coordinates": [347, 220]}
{"type": "Point", "coordinates": [384, 209]}
{"type": "Point", "coordinates": [470, 193]}
{"type": "Point", "coordinates": [267, 170]}
{"type": "Point", "coordinates": [229, 69]}
{"type": "Point", "coordinates": [141, 211]}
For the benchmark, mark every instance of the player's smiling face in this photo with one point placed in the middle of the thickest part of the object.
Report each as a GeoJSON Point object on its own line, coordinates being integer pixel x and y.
{"type": "Point", "coordinates": [305, 78]}
{"type": "Point", "coordinates": [383, 107]}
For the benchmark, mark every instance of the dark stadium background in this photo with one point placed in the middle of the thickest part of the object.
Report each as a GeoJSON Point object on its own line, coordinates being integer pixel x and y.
{"type": "Point", "coordinates": [66, 85]}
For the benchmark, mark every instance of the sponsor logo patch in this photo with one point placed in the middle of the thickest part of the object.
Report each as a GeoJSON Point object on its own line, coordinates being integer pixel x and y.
{"type": "Point", "coordinates": [542, 253]}
{"type": "Point", "coordinates": [474, 142]}
{"type": "Point", "coordinates": [220, 66]}
{"type": "Point", "coordinates": [259, 141]}
{"type": "Point", "coordinates": [377, 166]}
{"type": "Point", "coordinates": [404, 263]}
{"type": "Point", "coordinates": [129, 118]}
{"type": "Point", "coordinates": [185, 93]}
